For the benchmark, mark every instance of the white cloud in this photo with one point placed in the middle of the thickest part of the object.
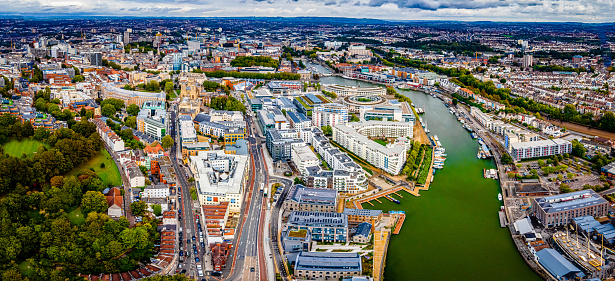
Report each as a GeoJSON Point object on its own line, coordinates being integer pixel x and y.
{"type": "Point", "coordinates": [496, 10]}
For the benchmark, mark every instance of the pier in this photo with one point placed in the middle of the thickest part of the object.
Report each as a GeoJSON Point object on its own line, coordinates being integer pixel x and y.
{"type": "Point", "coordinates": [357, 203]}
{"type": "Point", "coordinates": [502, 216]}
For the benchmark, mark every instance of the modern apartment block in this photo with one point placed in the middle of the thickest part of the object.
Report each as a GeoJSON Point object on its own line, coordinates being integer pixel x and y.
{"type": "Point", "coordinates": [346, 176]}
{"type": "Point", "coordinates": [559, 209]}
{"type": "Point", "coordinates": [325, 227]}
{"type": "Point", "coordinates": [343, 91]}
{"type": "Point", "coordinates": [329, 114]}
{"type": "Point", "coordinates": [541, 148]}
{"type": "Point", "coordinates": [303, 157]}
{"type": "Point", "coordinates": [355, 137]}
{"type": "Point", "coordinates": [280, 142]}
{"type": "Point", "coordinates": [327, 266]}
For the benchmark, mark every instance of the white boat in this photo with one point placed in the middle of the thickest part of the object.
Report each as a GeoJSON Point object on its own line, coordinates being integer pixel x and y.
{"type": "Point", "coordinates": [436, 137]}
{"type": "Point", "coordinates": [500, 196]}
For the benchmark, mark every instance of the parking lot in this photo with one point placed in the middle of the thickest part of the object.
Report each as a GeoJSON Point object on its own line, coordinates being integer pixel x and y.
{"type": "Point", "coordinates": [575, 176]}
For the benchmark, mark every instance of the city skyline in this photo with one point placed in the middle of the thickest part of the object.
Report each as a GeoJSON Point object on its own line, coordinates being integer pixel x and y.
{"type": "Point", "coordinates": [588, 11]}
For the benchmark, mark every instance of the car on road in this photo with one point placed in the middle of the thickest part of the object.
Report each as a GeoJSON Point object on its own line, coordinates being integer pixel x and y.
{"type": "Point", "coordinates": [193, 246]}
{"type": "Point", "coordinates": [188, 241]}
{"type": "Point", "coordinates": [251, 269]}
{"type": "Point", "coordinates": [181, 253]}
{"type": "Point", "coordinates": [197, 259]}
{"type": "Point", "coordinates": [193, 238]}
{"type": "Point", "coordinates": [196, 252]}
{"type": "Point", "coordinates": [202, 245]}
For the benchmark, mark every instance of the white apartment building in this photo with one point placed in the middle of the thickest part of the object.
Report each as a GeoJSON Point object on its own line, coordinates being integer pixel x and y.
{"type": "Point", "coordinates": [390, 158]}
{"type": "Point", "coordinates": [130, 97]}
{"type": "Point", "coordinates": [329, 114]}
{"type": "Point", "coordinates": [155, 191]}
{"type": "Point", "coordinates": [303, 157]}
{"type": "Point", "coordinates": [524, 150]}
{"type": "Point", "coordinates": [220, 177]}
{"type": "Point", "coordinates": [343, 91]}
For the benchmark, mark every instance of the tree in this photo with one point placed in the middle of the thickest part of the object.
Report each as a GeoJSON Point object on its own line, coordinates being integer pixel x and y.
{"type": "Point", "coordinates": [41, 134]}
{"type": "Point", "coordinates": [327, 130]}
{"type": "Point", "coordinates": [133, 109]}
{"type": "Point", "coordinates": [78, 78]}
{"type": "Point", "coordinates": [578, 149]}
{"type": "Point", "coordinates": [190, 179]}
{"type": "Point", "coordinates": [108, 110]}
{"type": "Point", "coordinates": [506, 159]}
{"type": "Point", "coordinates": [138, 208]}
{"type": "Point", "coordinates": [167, 141]}
{"type": "Point", "coordinates": [131, 122]}
{"type": "Point", "coordinates": [298, 181]}
{"type": "Point", "coordinates": [168, 87]}
{"type": "Point", "coordinates": [94, 201]}
{"type": "Point", "coordinates": [27, 130]}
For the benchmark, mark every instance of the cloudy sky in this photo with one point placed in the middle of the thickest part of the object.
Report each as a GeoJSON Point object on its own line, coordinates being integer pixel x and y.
{"type": "Point", "coordinates": [493, 10]}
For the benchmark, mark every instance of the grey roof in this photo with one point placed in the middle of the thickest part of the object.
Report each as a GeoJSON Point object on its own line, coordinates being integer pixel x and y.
{"type": "Point", "coordinates": [328, 261]}
{"type": "Point", "coordinates": [524, 226]}
{"type": "Point", "coordinates": [201, 118]}
{"type": "Point", "coordinates": [362, 212]}
{"type": "Point", "coordinates": [570, 201]}
{"type": "Point", "coordinates": [364, 229]}
{"type": "Point", "coordinates": [297, 117]}
{"type": "Point", "coordinates": [315, 196]}
{"type": "Point", "coordinates": [301, 218]}
{"type": "Point", "coordinates": [555, 263]}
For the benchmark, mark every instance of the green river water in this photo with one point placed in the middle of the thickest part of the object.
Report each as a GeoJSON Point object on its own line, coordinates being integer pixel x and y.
{"type": "Point", "coordinates": [451, 231]}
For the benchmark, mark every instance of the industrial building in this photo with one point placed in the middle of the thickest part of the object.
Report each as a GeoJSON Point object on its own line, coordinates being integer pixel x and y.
{"type": "Point", "coordinates": [327, 266]}
{"type": "Point", "coordinates": [301, 198]}
{"type": "Point", "coordinates": [559, 209]}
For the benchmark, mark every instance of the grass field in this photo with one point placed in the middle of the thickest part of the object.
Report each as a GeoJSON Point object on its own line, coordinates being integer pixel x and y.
{"type": "Point", "coordinates": [25, 146]}
{"type": "Point", "coordinates": [110, 175]}
{"type": "Point", "coordinates": [76, 217]}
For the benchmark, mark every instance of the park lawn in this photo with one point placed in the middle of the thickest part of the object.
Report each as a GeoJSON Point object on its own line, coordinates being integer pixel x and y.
{"type": "Point", "coordinates": [76, 217]}
{"type": "Point", "coordinates": [109, 175]}
{"type": "Point", "coordinates": [25, 146]}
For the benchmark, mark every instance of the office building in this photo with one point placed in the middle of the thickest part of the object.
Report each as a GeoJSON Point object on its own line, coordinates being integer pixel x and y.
{"type": "Point", "coordinates": [95, 58]}
{"type": "Point", "coordinates": [327, 265]}
{"type": "Point", "coordinates": [220, 177]}
{"type": "Point", "coordinates": [558, 210]}
{"type": "Point", "coordinates": [354, 136]}
{"type": "Point", "coordinates": [272, 118]}
{"type": "Point", "coordinates": [301, 198]}
{"type": "Point", "coordinates": [126, 37]}
{"type": "Point", "coordinates": [130, 97]}
{"type": "Point", "coordinates": [152, 119]}
{"type": "Point", "coordinates": [329, 114]}
{"type": "Point", "coordinates": [343, 91]}
{"type": "Point", "coordinates": [324, 227]}
{"type": "Point", "coordinates": [187, 132]}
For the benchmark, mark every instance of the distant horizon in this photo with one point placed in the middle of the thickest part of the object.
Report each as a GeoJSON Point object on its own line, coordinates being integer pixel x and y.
{"type": "Point", "coordinates": [75, 16]}
{"type": "Point", "coordinates": [532, 11]}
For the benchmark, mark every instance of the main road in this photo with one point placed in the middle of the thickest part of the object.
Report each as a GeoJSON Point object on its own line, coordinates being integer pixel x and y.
{"type": "Point", "coordinates": [186, 205]}
{"type": "Point", "coordinates": [248, 260]}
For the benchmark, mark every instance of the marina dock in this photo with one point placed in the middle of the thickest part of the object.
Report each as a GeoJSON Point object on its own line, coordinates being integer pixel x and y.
{"type": "Point", "coordinates": [502, 216]}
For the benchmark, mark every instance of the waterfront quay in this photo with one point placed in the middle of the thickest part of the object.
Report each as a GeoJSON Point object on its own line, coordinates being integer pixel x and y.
{"type": "Point", "coordinates": [455, 221]}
